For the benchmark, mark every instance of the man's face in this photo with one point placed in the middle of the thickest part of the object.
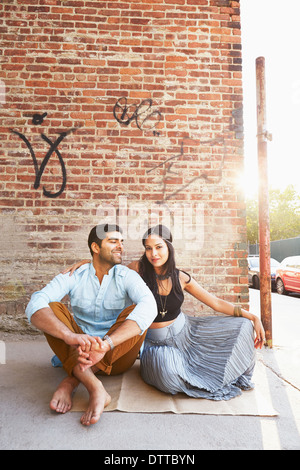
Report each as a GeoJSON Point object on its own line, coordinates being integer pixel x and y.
{"type": "Point", "coordinates": [112, 248]}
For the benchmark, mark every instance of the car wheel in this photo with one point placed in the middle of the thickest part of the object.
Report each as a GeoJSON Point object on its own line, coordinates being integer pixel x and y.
{"type": "Point", "coordinates": [280, 287]}
{"type": "Point", "coordinates": [255, 281]}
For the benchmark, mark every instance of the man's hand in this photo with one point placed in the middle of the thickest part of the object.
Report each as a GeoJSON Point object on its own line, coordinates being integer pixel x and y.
{"type": "Point", "coordinates": [82, 341]}
{"type": "Point", "coordinates": [89, 358]}
{"type": "Point", "coordinates": [46, 321]}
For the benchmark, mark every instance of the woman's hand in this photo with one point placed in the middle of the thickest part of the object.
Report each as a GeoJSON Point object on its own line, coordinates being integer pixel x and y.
{"type": "Point", "coordinates": [260, 333]}
{"type": "Point", "coordinates": [75, 266]}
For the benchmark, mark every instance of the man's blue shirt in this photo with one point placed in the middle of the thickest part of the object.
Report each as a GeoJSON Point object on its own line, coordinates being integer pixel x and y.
{"type": "Point", "coordinates": [96, 306]}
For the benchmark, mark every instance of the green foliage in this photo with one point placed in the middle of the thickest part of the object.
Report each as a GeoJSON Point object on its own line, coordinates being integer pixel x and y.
{"type": "Point", "coordinates": [284, 209]}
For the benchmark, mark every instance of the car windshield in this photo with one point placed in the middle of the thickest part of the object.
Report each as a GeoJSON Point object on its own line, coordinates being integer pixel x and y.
{"type": "Point", "coordinates": [274, 262]}
{"type": "Point", "coordinates": [254, 262]}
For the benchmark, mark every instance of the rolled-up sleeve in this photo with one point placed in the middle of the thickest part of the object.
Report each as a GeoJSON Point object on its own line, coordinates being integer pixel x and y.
{"type": "Point", "coordinates": [52, 292]}
{"type": "Point", "coordinates": [146, 310]}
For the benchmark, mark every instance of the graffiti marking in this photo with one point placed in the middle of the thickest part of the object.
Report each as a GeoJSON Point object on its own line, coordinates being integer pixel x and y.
{"type": "Point", "coordinates": [53, 148]}
{"type": "Point", "coordinates": [145, 118]}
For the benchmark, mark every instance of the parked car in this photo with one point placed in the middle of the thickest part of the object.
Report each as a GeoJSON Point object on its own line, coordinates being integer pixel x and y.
{"type": "Point", "coordinates": [253, 271]}
{"type": "Point", "coordinates": [288, 275]}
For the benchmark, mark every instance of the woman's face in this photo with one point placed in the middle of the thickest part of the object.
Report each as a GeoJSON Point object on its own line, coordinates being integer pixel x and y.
{"type": "Point", "coordinates": [156, 250]}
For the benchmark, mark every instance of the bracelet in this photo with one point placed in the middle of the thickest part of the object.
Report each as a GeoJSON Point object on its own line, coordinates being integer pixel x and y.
{"type": "Point", "coordinates": [109, 340]}
{"type": "Point", "coordinates": [237, 311]}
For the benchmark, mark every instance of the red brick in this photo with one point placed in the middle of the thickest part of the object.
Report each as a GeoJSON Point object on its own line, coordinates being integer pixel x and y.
{"type": "Point", "coordinates": [81, 57]}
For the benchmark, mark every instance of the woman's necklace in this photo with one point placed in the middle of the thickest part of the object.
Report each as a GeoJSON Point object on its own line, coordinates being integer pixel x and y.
{"type": "Point", "coordinates": [162, 277]}
{"type": "Point", "coordinates": [163, 310]}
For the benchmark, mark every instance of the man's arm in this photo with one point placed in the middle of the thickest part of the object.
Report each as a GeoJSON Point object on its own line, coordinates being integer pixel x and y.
{"type": "Point", "coordinates": [136, 323]}
{"type": "Point", "coordinates": [42, 316]}
{"type": "Point", "coordinates": [46, 321]}
{"type": "Point", "coordinates": [125, 331]}
{"type": "Point", "coordinates": [145, 309]}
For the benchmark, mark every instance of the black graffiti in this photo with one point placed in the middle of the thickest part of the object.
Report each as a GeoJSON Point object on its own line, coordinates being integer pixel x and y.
{"type": "Point", "coordinates": [235, 125]}
{"type": "Point", "coordinates": [168, 165]}
{"type": "Point", "coordinates": [53, 148]}
{"type": "Point", "coordinates": [144, 116]}
{"type": "Point", "coordinates": [38, 118]}
{"type": "Point", "coordinates": [170, 162]}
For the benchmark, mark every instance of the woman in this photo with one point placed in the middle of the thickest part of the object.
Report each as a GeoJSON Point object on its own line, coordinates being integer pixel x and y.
{"type": "Point", "coordinates": [207, 357]}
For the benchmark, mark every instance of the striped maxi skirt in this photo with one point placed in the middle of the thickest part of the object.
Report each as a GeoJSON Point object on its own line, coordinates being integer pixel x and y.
{"type": "Point", "coordinates": [209, 357]}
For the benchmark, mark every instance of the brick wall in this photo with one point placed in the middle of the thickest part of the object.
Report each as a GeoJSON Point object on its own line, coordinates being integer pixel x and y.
{"type": "Point", "coordinates": [124, 110]}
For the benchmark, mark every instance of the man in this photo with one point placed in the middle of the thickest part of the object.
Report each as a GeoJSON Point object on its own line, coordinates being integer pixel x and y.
{"type": "Point", "coordinates": [108, 301]}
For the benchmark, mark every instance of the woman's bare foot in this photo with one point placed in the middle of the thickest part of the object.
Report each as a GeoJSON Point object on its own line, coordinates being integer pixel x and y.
{"type": "Point", "coordinates": [99, 399]}
{"type": "Point", "coordinates": [62, 399]}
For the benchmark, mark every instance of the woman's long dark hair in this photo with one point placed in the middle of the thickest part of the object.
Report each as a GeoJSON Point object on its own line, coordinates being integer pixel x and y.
{"type": "Point", "coordinates": [146, 269]}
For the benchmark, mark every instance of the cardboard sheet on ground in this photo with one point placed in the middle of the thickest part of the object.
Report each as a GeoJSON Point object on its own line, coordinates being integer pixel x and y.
{"type": "Point", "coordinates": [131, 394]}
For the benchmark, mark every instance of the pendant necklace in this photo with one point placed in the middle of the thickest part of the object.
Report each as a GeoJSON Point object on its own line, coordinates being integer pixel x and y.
{"type": "Point", "coordinates": [163, 311]}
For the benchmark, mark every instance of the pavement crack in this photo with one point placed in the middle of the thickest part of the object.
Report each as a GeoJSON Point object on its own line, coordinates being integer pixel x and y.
{"type": "Point", "coordinates": [279, 375]}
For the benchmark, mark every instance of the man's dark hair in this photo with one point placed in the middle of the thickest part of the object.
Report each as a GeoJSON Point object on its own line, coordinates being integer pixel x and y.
{"type": "Point", "coordinates": [98, 233]}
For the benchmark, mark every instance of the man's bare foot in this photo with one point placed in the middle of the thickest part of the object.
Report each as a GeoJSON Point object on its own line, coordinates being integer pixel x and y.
{"type": "Point", "coordinates": [99, 399]}
{"type": "Point", "coordinates": [62, 399]}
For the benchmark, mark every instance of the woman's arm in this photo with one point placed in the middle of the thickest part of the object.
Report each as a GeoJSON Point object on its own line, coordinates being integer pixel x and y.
{"type": "Point", "coordinates": [222, 306]}
{"type": "Point", "coordinates": [75, 266]}
{"type": "Point", "coordinates": [133, 265]}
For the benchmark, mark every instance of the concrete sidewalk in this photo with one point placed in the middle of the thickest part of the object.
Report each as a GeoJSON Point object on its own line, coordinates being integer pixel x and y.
{"type": "Point", "coordinates": [28, 423]}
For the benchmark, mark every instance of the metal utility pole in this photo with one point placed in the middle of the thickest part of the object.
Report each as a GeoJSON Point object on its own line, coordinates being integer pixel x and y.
{"type": "Point", "coordinates": [263, 199]}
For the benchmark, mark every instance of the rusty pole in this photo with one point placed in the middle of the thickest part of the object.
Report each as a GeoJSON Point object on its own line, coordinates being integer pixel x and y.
{"type": "Point", "coordinates": [263, 199]}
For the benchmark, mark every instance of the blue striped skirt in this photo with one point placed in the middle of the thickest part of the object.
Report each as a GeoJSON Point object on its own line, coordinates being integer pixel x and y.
{"type": "Point", "coordinates": [204, 357]}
